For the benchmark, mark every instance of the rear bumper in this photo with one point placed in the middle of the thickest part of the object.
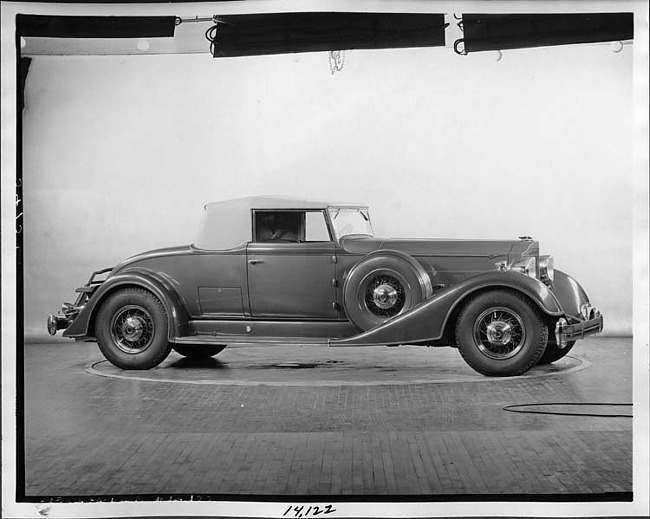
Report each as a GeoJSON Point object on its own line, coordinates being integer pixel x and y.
{"type": "Point", "coordinates": [56, 323]}
{"type": "Point", "coordinates": [69, 312]}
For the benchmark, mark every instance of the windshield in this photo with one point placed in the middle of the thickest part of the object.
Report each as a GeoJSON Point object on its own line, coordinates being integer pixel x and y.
{"type": "Point", "coordinates": [350, 221]}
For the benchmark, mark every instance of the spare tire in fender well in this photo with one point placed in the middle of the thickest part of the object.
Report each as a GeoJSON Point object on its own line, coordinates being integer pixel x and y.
{"type": "Point", "coordinates": [384, 284]}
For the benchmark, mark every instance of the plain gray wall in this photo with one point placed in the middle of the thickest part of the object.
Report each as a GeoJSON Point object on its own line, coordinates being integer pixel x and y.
{"type": "Point", "coordinates": [121, 153]}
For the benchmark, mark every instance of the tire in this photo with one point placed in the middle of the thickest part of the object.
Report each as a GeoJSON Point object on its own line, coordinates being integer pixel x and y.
{"type": "Point", "coordinates": [131, 329]}
{"type": "Point", "coordinates": [500, 333]}
{"type": "Point", "coordinates": [381, 287]}
{"type": "Point", "coordinates": [553, 353]}
{"type": "Point", "coordinates": [198, 352]}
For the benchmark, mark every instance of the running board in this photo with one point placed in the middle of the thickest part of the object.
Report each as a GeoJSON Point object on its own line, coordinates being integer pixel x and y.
{"type": "Point", "coordinates": [236, 340]}
{"type": "Point", "coordinates": [247, 340]}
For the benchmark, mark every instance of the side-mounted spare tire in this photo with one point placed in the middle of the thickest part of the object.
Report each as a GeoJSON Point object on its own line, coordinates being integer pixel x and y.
{"type": "Point", "coordinates": [384, 285]}
{"type": "Point", "coordinates": [131, 329]}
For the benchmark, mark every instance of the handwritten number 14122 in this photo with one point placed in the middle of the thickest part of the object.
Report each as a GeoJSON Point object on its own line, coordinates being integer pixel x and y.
{"type": "Point", "coordinates": [311, 511]}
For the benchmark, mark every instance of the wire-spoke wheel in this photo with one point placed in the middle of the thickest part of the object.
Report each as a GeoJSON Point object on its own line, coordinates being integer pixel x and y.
{"type": "Point", "coordinates": [501, 333]}
{"type": "Point", "coordinates": [131, 329]}
{"type": "Point", "coordinates": [381, 287]}
{"type": "Point", "coordinates": [385, 295]}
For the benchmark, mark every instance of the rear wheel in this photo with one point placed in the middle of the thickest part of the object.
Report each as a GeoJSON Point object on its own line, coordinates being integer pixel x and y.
{"type": "Point", "coordinates": [131, 329]}
{"type": "Point", "coordinates": [198, 352]}
{"type": "Point", "coordinates": [499, 333]}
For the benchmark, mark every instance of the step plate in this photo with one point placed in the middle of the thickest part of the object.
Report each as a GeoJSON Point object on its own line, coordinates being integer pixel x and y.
{"type": "Point", "coordinates": [237, 340]}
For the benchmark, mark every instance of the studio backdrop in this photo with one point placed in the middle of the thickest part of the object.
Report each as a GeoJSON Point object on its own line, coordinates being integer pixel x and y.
{"type": "Point", "coordinates": [122, 152]}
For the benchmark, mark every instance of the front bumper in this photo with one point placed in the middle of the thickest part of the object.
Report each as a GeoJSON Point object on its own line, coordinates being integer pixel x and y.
{"type": "Point", "coordinates": [566, 332]}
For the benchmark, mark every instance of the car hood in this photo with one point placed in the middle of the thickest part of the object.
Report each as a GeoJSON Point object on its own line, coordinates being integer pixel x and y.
{"type": "Point", "coordinates": [435, 247]}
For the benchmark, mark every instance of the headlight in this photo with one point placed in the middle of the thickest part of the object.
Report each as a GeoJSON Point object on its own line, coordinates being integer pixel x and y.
{"type": "Point", "coordinates": [546, 268]}
{"type": "Point", "coordinates": [587, 311]}
{"type": "Point", "coordinates": [525, 265]}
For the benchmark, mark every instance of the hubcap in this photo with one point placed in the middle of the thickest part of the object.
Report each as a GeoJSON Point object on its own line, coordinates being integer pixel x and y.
{"type": "Point", "coordinates": [132, 329]}
{"type": "Point", "coordinates": [499, 333]}
{"type": "Point", "coordinates": [384, 296]}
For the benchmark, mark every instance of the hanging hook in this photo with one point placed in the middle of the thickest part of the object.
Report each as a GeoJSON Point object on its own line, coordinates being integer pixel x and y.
{"type": "Point", "coordinates": [616, 46]}
{"type": "Point", "coordinates": [457, 44]}
{"type": "Point", "coordinates": [460, 22]}
{"type": "Point", "coordinates": [211, 33]}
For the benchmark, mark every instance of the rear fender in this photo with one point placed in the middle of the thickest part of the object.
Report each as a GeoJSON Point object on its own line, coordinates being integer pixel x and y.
{"type": "Point", "coordinates": [428, 320]}
{"type": "Point", "coordinates": [156, 283]}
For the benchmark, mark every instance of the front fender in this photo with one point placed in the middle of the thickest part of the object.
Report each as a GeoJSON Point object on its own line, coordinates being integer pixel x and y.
{"type": "Point", "coordinates": [428, 320]}
{"type": "Point", "coordinates": [569, 293]}
{"type": "Point", "coordinates": [159, 285]}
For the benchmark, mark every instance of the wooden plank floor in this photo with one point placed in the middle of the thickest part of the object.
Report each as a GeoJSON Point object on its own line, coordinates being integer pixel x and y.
{"type": "Point", "coordinates": [89, 435]}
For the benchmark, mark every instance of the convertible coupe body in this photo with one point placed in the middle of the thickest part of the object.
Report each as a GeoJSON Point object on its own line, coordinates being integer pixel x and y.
{"type": "Point", "coordinates": [269, 270]}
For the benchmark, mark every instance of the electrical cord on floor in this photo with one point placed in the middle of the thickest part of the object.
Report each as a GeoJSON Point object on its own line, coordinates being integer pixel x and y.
{"type": "Point", "coordinates": [514, 409]}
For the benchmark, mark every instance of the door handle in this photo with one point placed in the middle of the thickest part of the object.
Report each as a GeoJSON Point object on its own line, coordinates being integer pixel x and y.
{"type": "Point", "coordinates": [255, 261]}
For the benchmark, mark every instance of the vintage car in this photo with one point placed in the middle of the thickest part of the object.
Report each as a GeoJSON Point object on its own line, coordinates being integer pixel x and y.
{"type": "Point", "coordinates": [267, 270]}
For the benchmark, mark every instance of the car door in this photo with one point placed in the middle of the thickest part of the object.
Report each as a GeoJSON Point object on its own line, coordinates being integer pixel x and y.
{"type": "Point", "coordinates": [291, 266]}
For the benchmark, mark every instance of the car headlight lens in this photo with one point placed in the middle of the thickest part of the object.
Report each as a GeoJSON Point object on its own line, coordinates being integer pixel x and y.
{"type": "Point", "coordinates": [546, 271]}
{"type": "Point", "coordinates": [525, 265]}
{"type": "Point", "coordinates": [587, 311]}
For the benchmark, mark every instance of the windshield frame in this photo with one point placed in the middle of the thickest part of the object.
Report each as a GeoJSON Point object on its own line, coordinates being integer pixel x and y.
{"type": "Point", "coordinates": [333, 211]}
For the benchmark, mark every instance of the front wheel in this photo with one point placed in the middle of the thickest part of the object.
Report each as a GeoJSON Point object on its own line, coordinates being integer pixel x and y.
{"type": "Point", "coordinates": [499, 333]}
{"type": "Point", "coordinates": [554, 353]}
{"type": "Point", "coordinates": [131, 329]}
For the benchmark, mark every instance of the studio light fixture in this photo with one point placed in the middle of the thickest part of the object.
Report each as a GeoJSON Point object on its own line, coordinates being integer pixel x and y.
{"type": "Point", "coordinates": [489, 32]}
{"type": "Point", "coordinates": [48, 26]}
{"type": "Point", "coordinates": [282, 33]}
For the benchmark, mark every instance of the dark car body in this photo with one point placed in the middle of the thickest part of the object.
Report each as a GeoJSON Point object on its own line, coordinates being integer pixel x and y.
{"type": "Point", "coordinates": [241, 285]}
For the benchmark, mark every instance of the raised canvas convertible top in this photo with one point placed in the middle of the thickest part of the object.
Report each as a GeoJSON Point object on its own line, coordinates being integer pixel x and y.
{"type": "Point", "coordinates": [227, 224]}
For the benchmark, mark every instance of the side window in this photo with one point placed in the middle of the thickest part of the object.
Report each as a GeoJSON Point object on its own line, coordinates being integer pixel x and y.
{"type": "Point", "coordinates": [290, 226]}
{"type": "Point", "coordinates": [279, 226]}
{"type": "Point", "coordinates": [316, 226]}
